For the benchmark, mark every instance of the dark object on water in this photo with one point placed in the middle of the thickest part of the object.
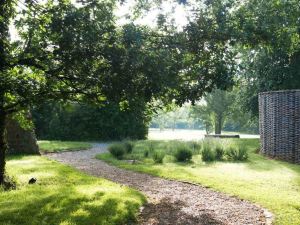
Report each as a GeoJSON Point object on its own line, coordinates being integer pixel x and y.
{"type": "Point", "coordinates": [222, 136]}
{"type": "Point", "coordinates": [32, 180]}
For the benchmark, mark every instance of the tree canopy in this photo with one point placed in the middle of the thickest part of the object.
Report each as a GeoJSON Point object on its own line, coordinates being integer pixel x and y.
{"type": "Point", "coordinates": [58, 55]}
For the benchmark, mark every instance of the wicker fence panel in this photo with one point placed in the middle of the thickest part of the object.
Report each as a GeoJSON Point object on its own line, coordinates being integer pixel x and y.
{"type": "Point", "coordinates": [279, 120]}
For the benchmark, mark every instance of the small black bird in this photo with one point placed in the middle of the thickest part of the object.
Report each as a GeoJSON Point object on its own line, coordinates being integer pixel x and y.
{"type": "Point", "coordinates": [32, 180]}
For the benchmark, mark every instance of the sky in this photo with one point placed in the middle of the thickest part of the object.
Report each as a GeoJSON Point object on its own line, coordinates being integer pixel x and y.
{"type": "Point", "coordinates": [176, 11]}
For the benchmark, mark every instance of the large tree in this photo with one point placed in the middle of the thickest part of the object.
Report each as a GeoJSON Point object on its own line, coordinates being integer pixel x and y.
{"type": "Point", "coordinates": [270, 53]}
{"type": "Point", "coordinates": [267, 36]}
{"type": "Point", "coordinates": [261, 37]}
{"type": "Point", "coordinates": [209, 59]}
{"type": "Point", "coordinates": [58, 55]}
{"type": "Point", "coordinates": [214, 110]}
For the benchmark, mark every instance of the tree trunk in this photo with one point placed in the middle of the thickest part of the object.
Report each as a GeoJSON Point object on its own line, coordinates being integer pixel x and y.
{"type": "Point", "coordinates": [3, 146]}
{"type": "Point", "coordinates": [218, 124]}
{"type": "Point", "coordinates": [207, 127]}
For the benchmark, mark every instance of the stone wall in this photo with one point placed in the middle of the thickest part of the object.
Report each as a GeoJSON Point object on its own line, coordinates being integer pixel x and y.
{"type": "Point", "coordinates": [20, 141]}
{"type": "Point", "coordinates": [279, 121]}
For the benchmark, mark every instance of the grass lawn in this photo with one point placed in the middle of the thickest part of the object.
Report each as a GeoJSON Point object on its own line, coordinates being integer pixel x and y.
{"type": "Point", "coordinates": [272, 184]}
{"type": "Point", "coordinates": [59, 146]}
{"type": "Point", "coordinates": [63, 195]}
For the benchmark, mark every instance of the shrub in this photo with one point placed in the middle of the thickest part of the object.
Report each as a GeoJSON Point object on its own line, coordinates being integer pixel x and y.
{"type": "Point", "coordinates": [151, 147]}
{"type": "Point", "coordinates": [237, 153]}
{"type": "Point", "coordinates": [158, 157]}
{"type": "Point", "coordinates": [128, 145]}
{"type": "Point", "coordinates": [117, 150]}
{"type": "Point", "coordinates": [183, 153]}
{"type": "Point", "coordinates": [208, 155]}
{"type": "Point", "coordinates": [219, 152]}
{"type": "Point", "coordinates": [196, 146]}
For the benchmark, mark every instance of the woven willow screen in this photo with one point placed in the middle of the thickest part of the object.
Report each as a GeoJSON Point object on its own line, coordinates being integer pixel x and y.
{"type": "Point", "coordinates": [279, 122]}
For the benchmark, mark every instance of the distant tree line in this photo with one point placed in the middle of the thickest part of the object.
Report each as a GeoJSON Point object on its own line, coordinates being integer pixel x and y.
{"type": "Point", "coordinates": [217, 111]}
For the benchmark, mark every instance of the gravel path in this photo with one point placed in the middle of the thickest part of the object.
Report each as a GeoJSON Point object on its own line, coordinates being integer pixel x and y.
{"type": "Point", "coordinates": [169, 202]}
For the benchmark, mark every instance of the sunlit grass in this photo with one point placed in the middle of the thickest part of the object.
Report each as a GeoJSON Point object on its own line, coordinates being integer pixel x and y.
{"type": "Point", "coordinates": [273, 184]}
{"type": "Point", "coordinates": [58, 146]}
{"type": "Point", "coordinates": [63, 195]}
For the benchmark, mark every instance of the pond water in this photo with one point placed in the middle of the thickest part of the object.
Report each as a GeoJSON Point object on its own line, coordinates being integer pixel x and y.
{"type": "Point", "coordinates": [184, 134]}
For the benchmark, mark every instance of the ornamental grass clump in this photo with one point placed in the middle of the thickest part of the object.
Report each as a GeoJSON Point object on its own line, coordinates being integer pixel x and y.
{"type": "Point", "coordinates": [146, 153]}
{"type": "Point", "coordinates": [237, 153]}
{"type": "Point", "coordinates": [219, 152]}
{"type": "Point", "coordinates": [158, 157]}
{"type": "Point", "coordinates": [208, 153]}
{"type": "Point", "coordinates": [183, 153]}
{"type": "Point", "coordinates": [128, 145]}
{"type": "Point", "coordinates": [117, 150]}
{"type": "Point", "coordinates": [151, 147]}
{"type": "Point", "coordinates": [196, 147]}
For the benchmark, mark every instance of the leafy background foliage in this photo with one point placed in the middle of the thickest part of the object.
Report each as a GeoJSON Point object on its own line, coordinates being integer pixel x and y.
{"type": "Point", "coordinates": [57, 121]}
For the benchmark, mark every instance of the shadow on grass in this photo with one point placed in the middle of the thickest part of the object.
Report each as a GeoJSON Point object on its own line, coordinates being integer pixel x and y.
{"type": "Point", "coordinates": [183, 164]}
{"type": "Point", "coordinates": [166, 212]}
{"type": "Point", "coordinates": [260, 162]}
{"type": "Point", "coordinates": [18, 156]}
{"type": "Point", "coordinates": [63, 206]}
